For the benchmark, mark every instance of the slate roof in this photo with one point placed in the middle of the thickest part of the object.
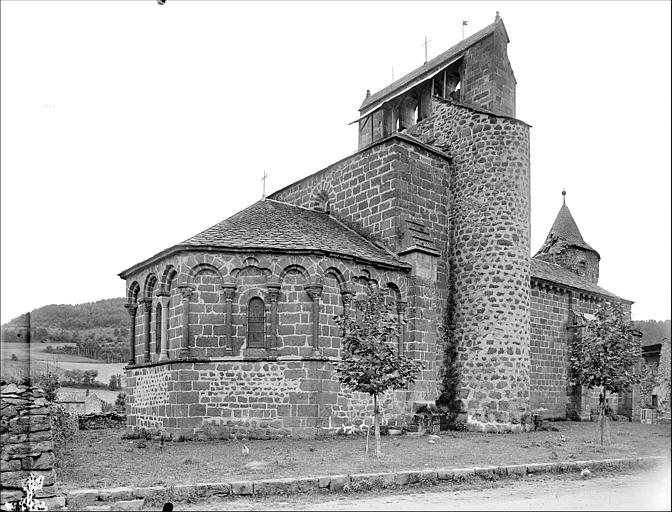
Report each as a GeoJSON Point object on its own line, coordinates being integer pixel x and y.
{"type": "Point", "coordinates": [565, 228]}
{"type": "Point", "coordinates": [557, 274]}
{"type": "Point", "coordinates": [273, 224]}
{"type": "Point", "coordinates": [429, 68]}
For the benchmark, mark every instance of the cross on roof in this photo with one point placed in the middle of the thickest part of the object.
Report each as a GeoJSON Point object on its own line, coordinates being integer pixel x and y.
{"type": "Point", "coordinates": [263, 190]}
{"type": "Point", "coordinates": [425, 45]}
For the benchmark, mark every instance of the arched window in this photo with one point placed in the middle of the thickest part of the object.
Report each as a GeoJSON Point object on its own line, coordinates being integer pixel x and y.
{"type": "Point", "coordinates": [157, 328]}
{"type": "Point", "coordinates": [256, 323]}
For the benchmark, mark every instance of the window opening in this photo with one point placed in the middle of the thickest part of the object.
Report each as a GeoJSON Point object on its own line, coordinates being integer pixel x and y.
{"type": "Point", "coordinates": [256, 323]}
{"type": "Point", "coordinates": [157, 328]}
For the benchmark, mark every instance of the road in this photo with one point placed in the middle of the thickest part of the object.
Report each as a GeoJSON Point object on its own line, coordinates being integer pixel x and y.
{"type": "Point", "coordinates": [640, 490]}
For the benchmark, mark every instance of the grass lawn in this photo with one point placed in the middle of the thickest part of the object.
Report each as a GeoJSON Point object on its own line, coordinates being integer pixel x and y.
{"type": "Point", "coordinates": [102, 458]}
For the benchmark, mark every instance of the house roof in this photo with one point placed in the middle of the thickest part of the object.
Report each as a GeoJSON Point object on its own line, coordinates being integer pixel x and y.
{"type": "Point", "coordinates": [71, 396]}
{"type": "Point", "coordinates": [429, 68]}
{"type": "Point", "coordinates": [272, 224]}
{"type": "Point", "coordinates": [565, 229]}
{"type": "Point", "coordinates": [555, 273]}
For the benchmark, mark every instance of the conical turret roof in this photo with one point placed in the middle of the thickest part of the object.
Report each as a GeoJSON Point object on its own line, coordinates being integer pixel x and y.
{"type": "Point", "coordinates": [564, 231]}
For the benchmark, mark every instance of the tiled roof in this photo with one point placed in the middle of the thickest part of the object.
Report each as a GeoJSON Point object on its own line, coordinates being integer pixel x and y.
{"type": "Point", "coordinates": [429, 68]}
{"type": "Point", "coordinates": [71, 396]}
{"type": "Point", "coordinates": [557, 274]}
{"type": "Point", "coordinates": [565, 228]}
{"type": "Point", "coordinates": [273, 224]}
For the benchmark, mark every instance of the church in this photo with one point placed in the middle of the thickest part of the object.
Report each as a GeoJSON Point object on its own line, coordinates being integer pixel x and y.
{"type": "Point", "coordinates": [232, 330]}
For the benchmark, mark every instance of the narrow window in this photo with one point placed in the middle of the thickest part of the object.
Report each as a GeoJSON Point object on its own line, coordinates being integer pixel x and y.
{"type": "Point", "coordinates": [157, 328]}
{"type": "Point", "coordinates": [256, 323]}
{"type": "Point", "coordinates": [654, 401]}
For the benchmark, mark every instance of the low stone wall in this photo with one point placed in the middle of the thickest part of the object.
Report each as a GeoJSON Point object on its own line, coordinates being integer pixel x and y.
{"type": "Point", "coordinates": [26, 439]}
{"type": "Point", "coordinates": [98, 420]}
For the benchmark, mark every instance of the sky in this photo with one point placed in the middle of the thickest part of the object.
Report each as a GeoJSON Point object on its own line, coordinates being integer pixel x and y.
{"type": "Point", "coordinates": [127, 127]}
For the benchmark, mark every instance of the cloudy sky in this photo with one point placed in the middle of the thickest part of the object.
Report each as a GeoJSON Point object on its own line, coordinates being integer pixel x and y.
{"type": "Point", "coordinates": [128, 127]}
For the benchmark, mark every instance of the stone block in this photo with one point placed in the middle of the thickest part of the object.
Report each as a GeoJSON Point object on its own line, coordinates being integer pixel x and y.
{"type": "Point", "coordinates": [47, 491]}
{"type": "Point", "coordinates": [242, 488]}
{"type": "Point", "coordinates": [541, 467]}
{"type": "Point", "coordinates": [122, 493]}
{"type": "Point", "coordinates": [430, 475]}
{"type": "Point", "coordinates": [128, 505]}
{"type": "Point", "coordinates": [337, 482]}
{"type": "Point", "coordinates": [211, 489]}
{"type": "Point", "coordinates": [55, 503]}
{"type": "Point", "coordinates": [460, 474]}
{"type": "Point", "coordinates": [516, 469]}
{"type": "Point", "coordinates": [407, 477]}
{"type": "Point", "coordinates": [485, 472]}
{"type": "Point", "coordinates": [10, 495]}
{"type": "Point", "coordinates": [444, 474]}
{"type": "Point", "coordinates": [78, 498]}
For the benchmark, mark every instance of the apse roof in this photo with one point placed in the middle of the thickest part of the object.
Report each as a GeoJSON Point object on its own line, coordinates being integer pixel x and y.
{"type": "Point", "coordinates": [270, 225]}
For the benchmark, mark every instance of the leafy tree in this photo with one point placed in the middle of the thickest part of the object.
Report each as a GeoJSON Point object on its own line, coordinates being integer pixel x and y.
{"type": "Point", "coordinates": [605, 356]}
{"type": "Point", "coordinates": [89, 377]}
{"type": "Point", "coordinates": [120, 402]}
{"type": "Point", "coordinates": [115, 382]}
{"type": "Point", "coordinates": [369, 361]}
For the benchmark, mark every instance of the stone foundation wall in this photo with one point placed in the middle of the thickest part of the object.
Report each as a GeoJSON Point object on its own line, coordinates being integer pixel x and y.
{"type": "Point", "coordinates": [262, 399]}
{"type": "Point", "coordinates": [94, 421]}
{"type": "Point", "coordinates": [26, 439]}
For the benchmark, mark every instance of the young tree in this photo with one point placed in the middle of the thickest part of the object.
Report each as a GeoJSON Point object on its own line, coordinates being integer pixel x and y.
{"type": "Point", "coordinates": [369, 361]}
{"type": "Point", "coordinates": [605, 356]}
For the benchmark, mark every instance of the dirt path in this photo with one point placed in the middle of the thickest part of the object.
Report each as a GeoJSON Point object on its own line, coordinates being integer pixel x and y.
{"type": "Point", "coordinates": [643, 490]}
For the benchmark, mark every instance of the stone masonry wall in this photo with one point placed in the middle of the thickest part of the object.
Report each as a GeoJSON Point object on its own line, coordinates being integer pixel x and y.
{"type": "Point", "coordinates": [488, 80]}
{"type": "Point", "coordinates": [550, 308]}
{"type": "Point", "coordinates": [282, 388]}
{"type": "Point", "coordinates": [375, 191]}
{"type": "Point", "coordinates": [253, 398]}
{"type": "Point", "coordinates": [489, 249]}
{"type": "Point", "coordinates": [26, 439]}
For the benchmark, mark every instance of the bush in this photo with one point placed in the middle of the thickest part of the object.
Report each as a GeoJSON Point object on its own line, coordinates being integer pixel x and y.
{"type": "Point", "coordinates": [120, 402]}
{"type": "Point", "coordinates": [49, 383]}
{"type": "Point", "coordinates": [63, 425]}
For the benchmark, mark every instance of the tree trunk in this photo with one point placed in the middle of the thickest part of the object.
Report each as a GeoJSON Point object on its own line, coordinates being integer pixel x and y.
{"type": "Point", "coordinates": [376, 422]}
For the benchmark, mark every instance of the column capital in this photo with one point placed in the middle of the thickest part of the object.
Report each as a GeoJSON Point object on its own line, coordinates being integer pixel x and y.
{"type": "Point", "coordinates": [346, 297]}
{"type": "Point", "coordinates": [314, 290]}
{"type": "Point", "coordinates": [146, 304]}
{"type": "Point", "coordinates": [229, 291]}
{"type": "Point", "coordinates": [131, 307]}
{"type": "Point", "coordinates": [274, 291]}
{"type": "Point", "coordinates": [163, 293]}
{"type": "Point", "coordinates": [164, 300]}
{"type": "Point", "coordinates": [401, 306]}
{"type": "Point", "coordinates": [186, 291]}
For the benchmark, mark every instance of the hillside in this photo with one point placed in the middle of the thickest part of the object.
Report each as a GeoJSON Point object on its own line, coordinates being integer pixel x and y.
{"type": "Point", "coordinates": [106, 313]}
{"type": "Point", "coordinates": [97, 330]}
{"type": "Point", "coordinates": [653, 331]}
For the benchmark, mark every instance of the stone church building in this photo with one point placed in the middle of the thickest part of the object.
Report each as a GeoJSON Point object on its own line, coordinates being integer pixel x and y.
{"type": "Point", "coordinates": [232, 330]}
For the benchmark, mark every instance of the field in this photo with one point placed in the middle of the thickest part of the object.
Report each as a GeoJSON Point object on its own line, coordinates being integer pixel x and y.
{"type": "Point", "coordinates": [101, 458]}
{"type": "Point", "coordinates": [33, 354]}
